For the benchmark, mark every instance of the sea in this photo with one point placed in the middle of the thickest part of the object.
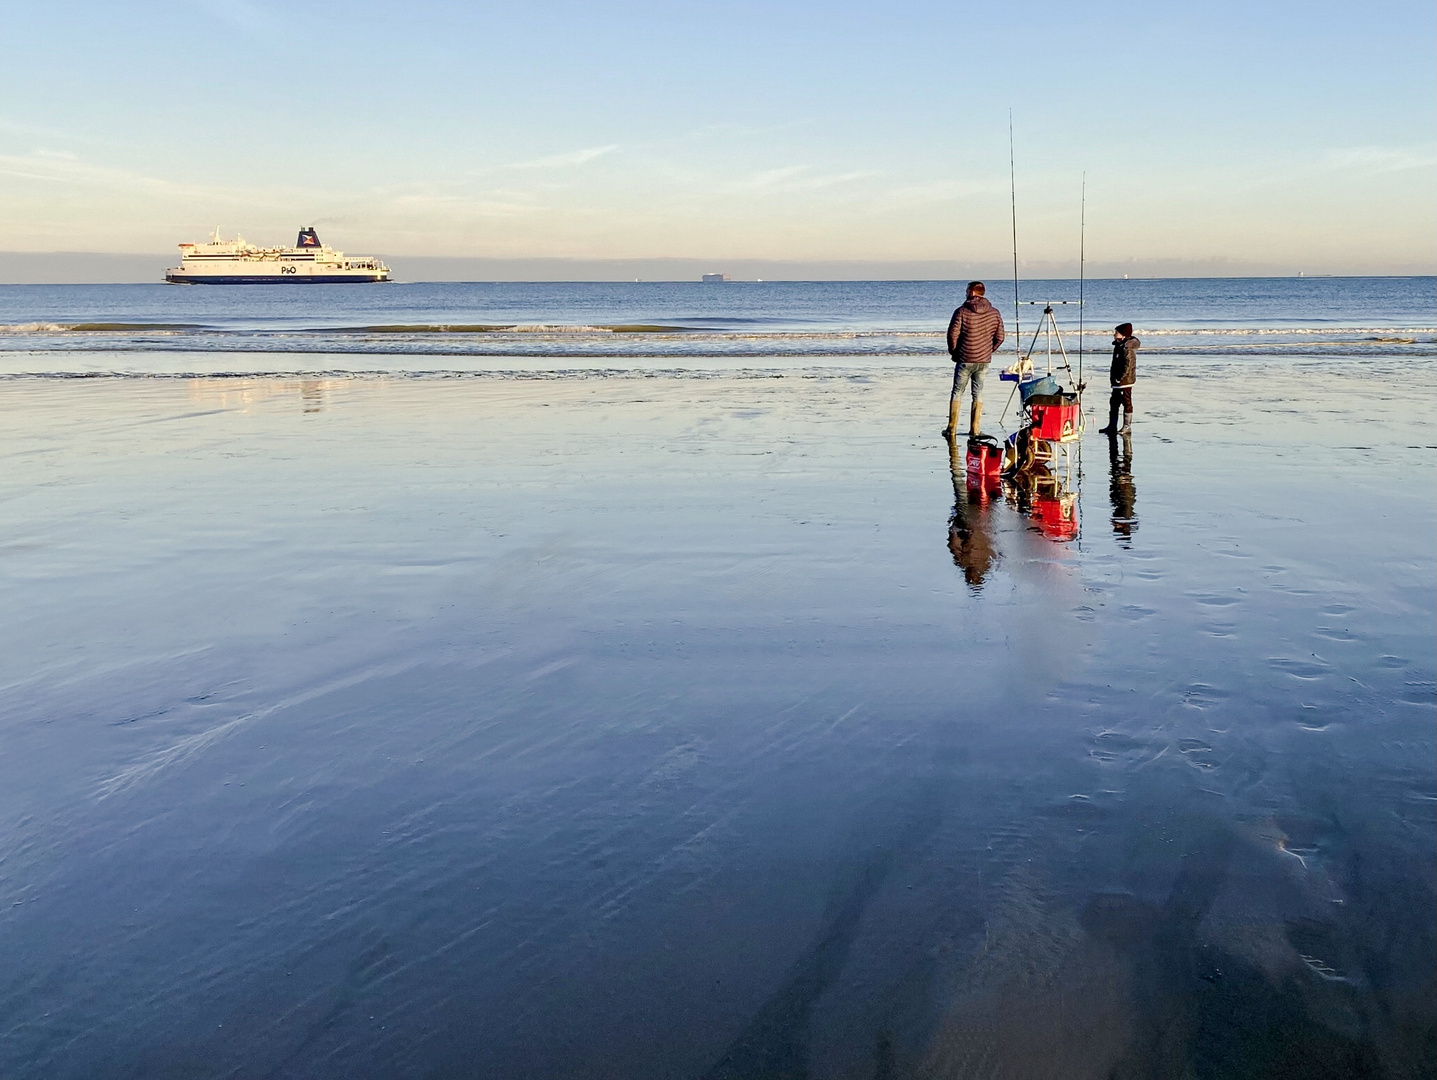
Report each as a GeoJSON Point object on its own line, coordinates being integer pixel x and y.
{"type": "Point", "coordinates": [628, 680]}
{"type": "Point", "coordinates": [481, 327]}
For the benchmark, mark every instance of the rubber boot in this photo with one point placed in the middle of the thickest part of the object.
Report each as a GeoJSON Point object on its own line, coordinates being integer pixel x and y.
{"type": "Point", "coordinates": [1112, 427]}
{"type": "Point", "coordinates": [974, 428]}
{"type": "Point", "coordinates": [1127, 421]}
{"type": "Point", "coordinates": [951, 430]}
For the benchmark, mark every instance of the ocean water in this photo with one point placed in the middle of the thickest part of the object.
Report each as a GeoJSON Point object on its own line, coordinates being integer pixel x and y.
{"type": "Point", "coordinates": [687, 715]}
{"type": "Point", "coordinates": [475, 327]}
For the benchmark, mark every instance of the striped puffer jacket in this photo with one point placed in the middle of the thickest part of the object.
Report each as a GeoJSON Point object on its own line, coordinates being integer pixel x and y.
{"type": "Point", "coordinates": [975, 332]}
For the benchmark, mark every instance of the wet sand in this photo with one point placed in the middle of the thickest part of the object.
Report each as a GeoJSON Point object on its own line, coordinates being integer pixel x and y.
{"type": "Point", "coordinates": [669, 725]}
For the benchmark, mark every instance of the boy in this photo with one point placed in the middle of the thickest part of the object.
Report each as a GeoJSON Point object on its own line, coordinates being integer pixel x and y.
{"type": "Point", "coordinates": [1122, 376]}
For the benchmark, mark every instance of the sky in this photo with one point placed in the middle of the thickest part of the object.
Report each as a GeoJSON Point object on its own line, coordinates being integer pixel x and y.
{"type": "Point", "coordinates": [1227, 136]}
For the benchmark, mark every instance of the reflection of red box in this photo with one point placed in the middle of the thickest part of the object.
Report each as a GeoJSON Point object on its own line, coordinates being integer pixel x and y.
{"type": "Point", "coordinates": [1054, 422]}
{"type": "Point", "coordinates": [1057, 518]}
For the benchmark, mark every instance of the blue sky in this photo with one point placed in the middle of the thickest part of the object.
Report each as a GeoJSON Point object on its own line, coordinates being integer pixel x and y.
{"type": "Point", "coordinates": [1301, 134]}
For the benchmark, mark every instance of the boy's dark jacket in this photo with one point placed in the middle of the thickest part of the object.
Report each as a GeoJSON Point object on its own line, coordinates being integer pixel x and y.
{"type": "Point", "coordinates": [1125, 362]}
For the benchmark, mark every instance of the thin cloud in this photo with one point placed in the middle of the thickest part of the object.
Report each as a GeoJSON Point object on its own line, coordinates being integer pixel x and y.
{"type": "Point", "coordinates": [59, 167]}
{"type": "Point", "coordinates": [935, 192]}
{"type": "Point", "coordinates": [767, 180]}
{"type": "Point", "coordinates": [793, 178]}
{"type": "Point", "coordinates": [573, 157]}
{"type": "Point", "coordinates": [1378, 159]}
{"type": "Point", "coordinates": [497, 204]}
{"type": "Point", "coordinates": [65, 168]}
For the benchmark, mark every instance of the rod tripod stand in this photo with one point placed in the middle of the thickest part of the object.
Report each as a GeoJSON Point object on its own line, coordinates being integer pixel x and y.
{"type": "Point", "coordinates": [1048, 329]}
{"type": "Point", "coordinates": [1052, 451]}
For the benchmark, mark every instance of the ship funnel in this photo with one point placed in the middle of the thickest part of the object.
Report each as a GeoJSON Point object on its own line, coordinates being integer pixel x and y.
{"type": "Point", "coordinates": [308, 238]}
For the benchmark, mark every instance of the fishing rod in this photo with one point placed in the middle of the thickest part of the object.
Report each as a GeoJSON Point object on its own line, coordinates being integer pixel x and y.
{"type": "Point", "coordinates": [1082, 253]}
{"type": "Point", "coordinates": [1082, 239]}
{"type": "Point", "coordinates": [1013, 195]}
{"type": "Point", "coordinates": [1017, 327]}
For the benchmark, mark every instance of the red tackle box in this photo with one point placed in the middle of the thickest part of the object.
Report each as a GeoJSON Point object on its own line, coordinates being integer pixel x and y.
{"type": "Point", "coordinates": [1054, 422]}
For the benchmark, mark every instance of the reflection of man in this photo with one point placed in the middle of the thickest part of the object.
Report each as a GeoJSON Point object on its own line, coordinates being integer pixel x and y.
{"type": "Point", "coordinates": [974, 334]}
{"type": "Point", "coordinates": [1123, 375]}
{"type": "Point", "coordinates": [970, 537]}
{"type": "Point", "coordinates": [1120, 487]}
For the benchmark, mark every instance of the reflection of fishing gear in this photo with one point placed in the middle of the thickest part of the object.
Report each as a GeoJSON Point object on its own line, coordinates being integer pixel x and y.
{"type": "Point", "coordinates": [1020, 487]}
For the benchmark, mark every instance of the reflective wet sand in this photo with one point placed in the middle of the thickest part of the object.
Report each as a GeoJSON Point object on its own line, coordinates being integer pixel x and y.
{"type": "Point", "coordinates": [663, 725]}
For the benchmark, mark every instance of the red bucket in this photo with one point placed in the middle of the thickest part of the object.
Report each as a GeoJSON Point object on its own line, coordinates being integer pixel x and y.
{"type": "Point", "coordinates": [985, 462]}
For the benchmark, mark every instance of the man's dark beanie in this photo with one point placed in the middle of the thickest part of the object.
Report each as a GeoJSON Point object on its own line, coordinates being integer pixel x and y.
{"type": "Point", "coordinates": [1126, 329]}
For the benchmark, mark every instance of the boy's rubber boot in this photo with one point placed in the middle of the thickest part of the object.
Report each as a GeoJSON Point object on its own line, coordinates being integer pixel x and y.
{"type": "Point", "coordinates": [976, 417]}
{"type": "Point", "coordinates": [1127, 420]}
{"type": "Point", "coordinates": [1112, 428]}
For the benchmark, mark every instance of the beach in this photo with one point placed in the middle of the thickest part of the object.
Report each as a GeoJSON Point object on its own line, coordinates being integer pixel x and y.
{"type": "Point", "coordinates": [644, 724]}
{"type": "Point", "coordinates": [498, 581]}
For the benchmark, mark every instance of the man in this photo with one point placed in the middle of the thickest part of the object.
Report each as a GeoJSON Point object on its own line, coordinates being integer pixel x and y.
{"type": "Point", "coordinates": [1122, 376]}
{"type": "Point", "coordinates": [974, 334]}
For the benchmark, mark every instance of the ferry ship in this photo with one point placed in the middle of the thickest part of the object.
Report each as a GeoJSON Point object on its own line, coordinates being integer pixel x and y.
{"type": "Point", "coordinates": [235, 262]}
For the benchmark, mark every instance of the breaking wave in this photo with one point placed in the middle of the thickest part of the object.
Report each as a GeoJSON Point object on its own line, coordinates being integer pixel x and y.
{"type": "Point", "coordinates": [654, 341]}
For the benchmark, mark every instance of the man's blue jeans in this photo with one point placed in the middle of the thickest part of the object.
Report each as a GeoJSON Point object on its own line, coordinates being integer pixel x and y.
{"type": "Point", "coordinates": [963, 375]}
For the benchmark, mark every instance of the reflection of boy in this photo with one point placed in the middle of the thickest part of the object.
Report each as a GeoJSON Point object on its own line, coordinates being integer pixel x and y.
{"type": "Point", "coordinates": [1124, 373]}
{"type": "Point", "coordinates": [1121, 488]}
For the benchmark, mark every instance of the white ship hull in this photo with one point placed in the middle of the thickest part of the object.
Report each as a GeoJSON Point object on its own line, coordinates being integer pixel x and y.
{"type": "Point", "coordinates": [249, 274]}
{"type": "Point", "coordinates": [222, 262]}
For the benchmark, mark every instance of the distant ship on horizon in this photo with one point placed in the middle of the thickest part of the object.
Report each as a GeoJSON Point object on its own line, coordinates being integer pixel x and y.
{"type": "Point", "coordinates": [235, 262]}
